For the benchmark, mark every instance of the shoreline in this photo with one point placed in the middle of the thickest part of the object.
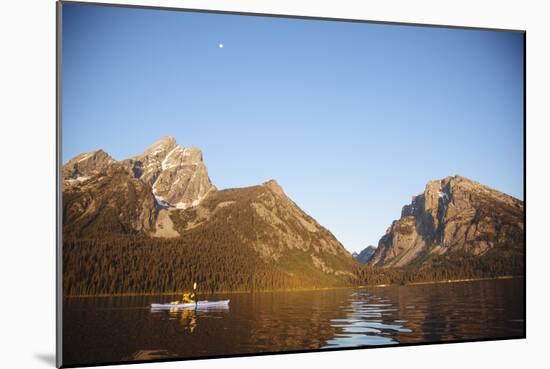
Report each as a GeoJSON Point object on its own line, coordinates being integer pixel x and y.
{"type": "Point", "coordinates": [445, 281]}
{"type": "Point", "coordinates": [130, 294]}
{"type": "Point", "coordinates": [143, 294]}
{"type": "Point", "coordinates": [467, 280]}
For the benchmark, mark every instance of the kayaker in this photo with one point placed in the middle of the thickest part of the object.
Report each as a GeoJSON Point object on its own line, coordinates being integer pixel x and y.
{"type": "Point", "coordinates": [190, 297]}
{"type": "Point", "coordinates": [187, 297]}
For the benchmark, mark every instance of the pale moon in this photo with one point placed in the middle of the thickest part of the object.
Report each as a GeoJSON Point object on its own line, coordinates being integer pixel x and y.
{"type": "Point", "coordinates": [220, 46]}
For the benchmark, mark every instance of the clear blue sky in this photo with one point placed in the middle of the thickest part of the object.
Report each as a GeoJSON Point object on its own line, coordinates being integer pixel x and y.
{"type": "Point", "coordinates": [352, 119]}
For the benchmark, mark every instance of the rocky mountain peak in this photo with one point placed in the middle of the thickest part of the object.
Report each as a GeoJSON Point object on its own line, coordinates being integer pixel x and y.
{"type": "Point", "coordinates": [177, 175]}
{"type": "Point", "coordinates": [452, 214]}
{"type": "Point", "coordinates": [161, 147]}
{"type": "Point", "coordinates": [274, 186]}
{"type": "Point", "coordinates": [86, 165]}
{"type": "Point", "coordinates": [365, 255]}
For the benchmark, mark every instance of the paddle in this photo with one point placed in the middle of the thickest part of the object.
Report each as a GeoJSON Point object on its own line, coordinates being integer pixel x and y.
{"type": "Point", "coordinates": [195, 294]}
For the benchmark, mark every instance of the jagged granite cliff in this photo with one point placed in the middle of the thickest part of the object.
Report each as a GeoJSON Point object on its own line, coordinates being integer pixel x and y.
{"type": "Point", "coordinates": [101, 194]}
{"type": "Point", "coordinates": [176, 174]}
{"type": "Point", "coordinates": [454, 214]}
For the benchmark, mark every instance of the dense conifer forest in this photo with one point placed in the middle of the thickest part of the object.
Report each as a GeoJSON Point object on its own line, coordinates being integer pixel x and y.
{"type": "Point", "coordinates": [139, 265]}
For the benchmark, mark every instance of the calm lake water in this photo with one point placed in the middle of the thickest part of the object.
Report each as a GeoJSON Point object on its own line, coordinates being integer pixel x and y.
{"type": "Point", "coordinates": [125, 328]}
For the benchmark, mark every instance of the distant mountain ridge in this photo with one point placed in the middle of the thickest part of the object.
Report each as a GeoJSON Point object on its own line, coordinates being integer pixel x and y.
{"type": "Point", "coordinates": [365, 255]}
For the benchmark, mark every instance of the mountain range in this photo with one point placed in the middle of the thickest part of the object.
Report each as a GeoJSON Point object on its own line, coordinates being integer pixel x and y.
{"type": "Point", "coordinates": [156, 223]}
{"type": "Point", "coordinates": [166, 194]}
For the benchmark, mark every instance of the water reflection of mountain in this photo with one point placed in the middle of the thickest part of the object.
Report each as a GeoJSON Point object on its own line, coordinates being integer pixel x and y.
{"type": "Point", "coordinates": [458, 311]}
{"type": "Point", "coordinates": [367, 321]}
{"type": "Point", "coordinates": [294, 321]}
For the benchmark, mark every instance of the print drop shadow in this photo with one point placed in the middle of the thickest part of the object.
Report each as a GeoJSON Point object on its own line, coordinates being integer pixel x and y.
{"type": "Point", "coordinates": [48, 358]}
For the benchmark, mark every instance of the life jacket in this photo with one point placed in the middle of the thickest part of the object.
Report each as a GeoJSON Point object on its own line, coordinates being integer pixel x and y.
{"type": "Point", "coordinates": [188, 297]}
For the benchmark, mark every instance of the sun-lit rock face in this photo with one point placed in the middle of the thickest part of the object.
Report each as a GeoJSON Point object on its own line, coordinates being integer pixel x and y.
{"type": "Point", "coordinates": [263, 218]}
{"type": "Point", "coordinates": [98, 190]}
{"type": "Point", "coordinates": [176, 174]}
{"type": "Point", "coordinates": [452, 214]}
{"type": "Point", "coordinates": [110, 202]}
{"type": "Point", "coordinates": [86, 165]}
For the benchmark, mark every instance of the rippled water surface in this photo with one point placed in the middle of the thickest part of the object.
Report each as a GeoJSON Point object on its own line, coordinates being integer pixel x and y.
{"type": "Point", "coordinates": [125, 328]}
